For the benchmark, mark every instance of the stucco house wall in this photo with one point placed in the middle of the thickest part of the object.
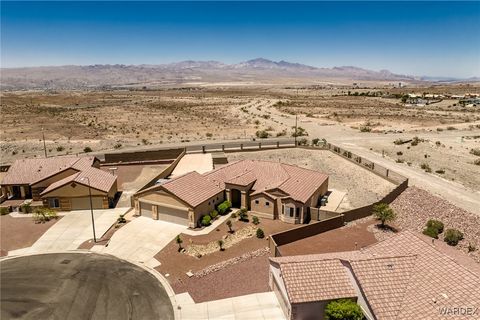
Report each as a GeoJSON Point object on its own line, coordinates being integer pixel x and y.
{"type": "Point", "coordinates": [261, 208]}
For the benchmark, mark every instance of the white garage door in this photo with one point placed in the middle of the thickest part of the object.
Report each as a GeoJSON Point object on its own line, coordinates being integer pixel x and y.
{"type": "Point", "coordinates": [84, 203]}
{"type": "Point", "coordinates": [146, 209]}
{"type": "Point", "coordinates": [175, 215]}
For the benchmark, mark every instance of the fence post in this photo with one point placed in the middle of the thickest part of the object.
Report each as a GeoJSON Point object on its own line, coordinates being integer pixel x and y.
{"type": "Point", "coordinates": [259, 145]}
{"type": "Point", "coordinates": [278, 144]}
{"type": "Point", "coordinates": [241, 146]}
{"type": "Point", "coordinates": [388, 172]}
{"type": "Point", "coordinates": [203, 149]}
{"type": "Point", "coordinates": [223, 147]}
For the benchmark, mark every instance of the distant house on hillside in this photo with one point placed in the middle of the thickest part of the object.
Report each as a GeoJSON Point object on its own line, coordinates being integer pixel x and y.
{"type": "Point", "coordinates": [400, 278]}
{"type": "Point", "coordinates": [268, 189]}
{"type": "Point", "coordinates": [59, 183]}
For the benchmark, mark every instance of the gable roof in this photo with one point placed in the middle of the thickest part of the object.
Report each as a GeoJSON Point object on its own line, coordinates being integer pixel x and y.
{"type": "Point", "coordinates": [305, 282]}
{"type": "Point", "coordinates": [31, 171]}
{"type": "Point", "coordinates": [193, 188]}
{"type": "Point", "coordinates": [98, 179]}
{"type": "Point", "coordinates": [299, 183]}
{"type": "Point", "coordinates": [402, 277]}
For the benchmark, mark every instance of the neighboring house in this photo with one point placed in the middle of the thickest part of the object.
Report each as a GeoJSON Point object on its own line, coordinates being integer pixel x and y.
{"type": "Point", "coordinates": [60, 183]}
{"type": "Point", "coordinates": [269, 189]}
{"type": "Point", "coordinates": [401, 278]}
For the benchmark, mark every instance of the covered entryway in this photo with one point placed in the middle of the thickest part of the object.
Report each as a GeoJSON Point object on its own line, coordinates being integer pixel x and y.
{"type": "Point", "coordinates": [83, 203]}
{"type": "Point", "coordinates": [173, 214]}
{"type": "Point", "coordinates": [146, 210]}
{"type": "Point", "coordinates": [236, 198]}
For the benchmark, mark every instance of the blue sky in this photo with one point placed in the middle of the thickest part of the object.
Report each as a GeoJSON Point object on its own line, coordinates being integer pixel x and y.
{"type": "Point", "coordinates": [419, 38]}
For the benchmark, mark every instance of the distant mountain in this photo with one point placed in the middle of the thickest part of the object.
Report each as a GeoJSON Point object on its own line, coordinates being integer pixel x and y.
{"type": "Point", "coordinates": [258, 70]}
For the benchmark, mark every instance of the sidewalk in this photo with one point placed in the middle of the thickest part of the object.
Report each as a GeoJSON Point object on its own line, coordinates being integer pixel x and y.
{"type": "Point", "coordinates": [257, 306]}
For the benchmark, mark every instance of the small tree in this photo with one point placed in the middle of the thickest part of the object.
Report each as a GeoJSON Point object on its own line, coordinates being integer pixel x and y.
{"type": "Point", "coordinates": [384, 213]}
{"type": "Point", "coordinates": [179, 241]}
{"type": "Point", "coordinates": [229, 225]}
{"type": "Point", "coordinates": [260, 234]}
{"type": "Point", "coordinates": [220, 244]}
{"type": "Point", "coordinates": [243, 216]}
{"type": "Point", "coordinates": [343, 309]}
{"type": "Point", "coordinates": [453, 236]}
{"type": "Point", "coordinates": [255, 220]}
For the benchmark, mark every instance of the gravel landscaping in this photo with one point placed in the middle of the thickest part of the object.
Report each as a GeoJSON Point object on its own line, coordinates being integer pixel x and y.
{"type": "Point", "coordinates": [19, 233]}
{"type": "Point", "coordinates": [414, 207]}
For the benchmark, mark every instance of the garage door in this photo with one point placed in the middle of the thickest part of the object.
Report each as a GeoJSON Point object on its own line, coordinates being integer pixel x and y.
{"type": "Point", "coordinates": [84, 203]}
{"type": "Point", "coordinates": [174, 215]}
{"type": "Point", "coordinates": [146, 209]}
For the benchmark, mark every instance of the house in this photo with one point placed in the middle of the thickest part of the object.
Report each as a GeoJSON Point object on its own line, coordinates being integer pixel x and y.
{"type": "Point", "coordinates": [268, 189]}
{"type": "Point", "coordinates": [400, 278]}
{"type": "Point", "coordinates": [59, 183]}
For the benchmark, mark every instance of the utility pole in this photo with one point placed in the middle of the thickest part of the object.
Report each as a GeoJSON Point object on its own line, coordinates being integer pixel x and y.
{"type": "Point", "coordinates": [44, 145]}
{"type": "Point", "coordinates": [296, 131]}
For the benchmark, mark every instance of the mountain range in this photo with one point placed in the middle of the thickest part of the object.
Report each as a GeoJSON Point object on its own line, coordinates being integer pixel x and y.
{"type": "Point", "coordinates": [254, 71]}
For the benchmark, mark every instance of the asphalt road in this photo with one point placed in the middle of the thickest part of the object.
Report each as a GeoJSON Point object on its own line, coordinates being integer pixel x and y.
{"type": "Point", "coordinates": [80, 286]}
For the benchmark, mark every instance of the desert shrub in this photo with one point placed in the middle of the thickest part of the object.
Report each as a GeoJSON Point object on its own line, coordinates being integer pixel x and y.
{"type": "Point", "coordinates": [220, 244]}
{"type": "Point", "coordinates": [431, 232]}
{"type": "Point", "coordinates": [475, 151]}
{"type": "Point", "coordinates": [399, 142]}
{"type": "Point", "coordinates": [343, 309]}
{"type": "Point", "coordinates": [477, 162]}
{"type": "Point", "coordinates": [471, 247]}
{"type": "Point", "coordinates": [224, 207]}
{"type": "Point", "coordinates": [415, 141]}
{"type": "Point", "coordinates": [399, 153]}
{"type": "Point", "coordinates": [436, 224]}
{"type": "Point", "coordinates": [206, 220]}
{"type": "Point", "coordinates": [453, 236]}
{"type": "Point", "coordinates": [438, 143]}
{"type": "Point", "coordinates": [315, 141]}
{"type": "Point", "coordinates": [255, 220]}
{"type": "Point", "coordinates": [214, 214]}
{"type": "Point", "coordinates": [243, 216]}
{"type": "Point", "coordinates": [384, 213]}
{"type": "Point", "coordinates": [87, 149]}
{"type": "Point", "coordinates": [399, 160]}
{"type": "Point", "coordinates": [26, 208]}
{"type": "Point", "coordinates": [365, 129]}
{"type": "Point", "coordinates": [302, 142]}
{"type": "Point", "coordinates": [282, 133]}
{"type": "Point", "coordinates": [42, 215]}
{"type": "Point", "coordinates": [4, 211]}
{"type": "Point", "coordinates": [234, 214]}
{"type": "Point", "coordinates": [260, 234]}
{"type": "Point", "coordinates": [209, 135]}
{"type": "Point", "coordinates": [426, 167]}
{"type": "Point", "coordinates": [60, 149]}
{"type": "Point", "coordinates": [229, 225]}
{"type": "Point", "coordinates": [440, 171]}
{"type": "Point", "coordinates": [439, 129]}
{"type": "Point", "coordinates": [179, 241]}
{"type": "Point", "coordinates": [299, 132]}
{"type": "Point", "coordinates": [121, 218]}
{"type": "Point", "coordinates": [451, 128]}
{"type": "Point", "coordinates": [262, 134]}
{"type": "Point", "coordinates": [117, 146]}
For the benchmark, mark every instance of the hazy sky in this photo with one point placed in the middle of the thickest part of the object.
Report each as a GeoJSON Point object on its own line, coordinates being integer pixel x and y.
{"type": "Point", "coordinates": [418, 38]}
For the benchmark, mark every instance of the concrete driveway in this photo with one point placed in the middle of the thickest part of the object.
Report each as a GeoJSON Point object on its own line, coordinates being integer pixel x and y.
{"type": "Point", "coordinates": [141, 239]}
{"type": "Point", "coordinates": [73, 229]}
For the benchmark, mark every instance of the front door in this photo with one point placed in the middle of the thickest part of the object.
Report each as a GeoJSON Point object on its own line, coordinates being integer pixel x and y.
{"type": "Point", "coordinates": [236, 198]}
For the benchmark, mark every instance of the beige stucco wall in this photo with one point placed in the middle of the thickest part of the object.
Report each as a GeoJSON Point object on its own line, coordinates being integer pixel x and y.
{"type": "Point", "coordinates": [69, 191]}
{"type": "Point", "coordinates": [261, 207]}
{"type": "Point", "coordinates": [207, 206]}
{"type": "Point", "coordinates": [45, 183]}
{"type": "Point", "coordinates": [163, 197]}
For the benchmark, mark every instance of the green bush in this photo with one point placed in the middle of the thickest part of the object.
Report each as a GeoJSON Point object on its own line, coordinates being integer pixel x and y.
{"type": "Point", "coordinates": [435, 224]}
{"type": "Point", "coordinates": [452, 237]}
{"type": "Point", "coordinates": [224, 207]}
{"type": "Point", "coordinates": [255, 220]}
{"type": "Point", "coordinates": [4, 211]}
{"type": "Point", "coordinates": [384, 213]}
{"type": "Point", "coordinates": [243, 216]}
{"type": "Point", "coordinates": [42, 215]}
{"type": "Point", "coordinates": [431, 232]}
{"type": "Point", "coordinates": [260, 234]}
{"type": "Point", "coordinates": [343, 309]}
{"type": "Point", "coordinates": [121, 218]}
{"type": "Point", "coordinates": [206, 220]}
{"type": "Point", "coordinates": [214, 214]}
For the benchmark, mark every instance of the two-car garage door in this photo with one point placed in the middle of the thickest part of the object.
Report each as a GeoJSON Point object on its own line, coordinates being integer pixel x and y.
{"type": "Point", "coordinates": [165, 213]}
{"type": "Point", "coordinates": [84, 203]}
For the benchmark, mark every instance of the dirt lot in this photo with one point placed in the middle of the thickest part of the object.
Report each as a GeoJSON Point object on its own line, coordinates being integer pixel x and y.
{"type": "Point", "coordinates": [362, 187]}
{"type": "Point", "coordinates": [353, 236]}
{"type": "Point", "coordinates": [246, 277]}
{"type": "Point", "coordinates": [18, 233]}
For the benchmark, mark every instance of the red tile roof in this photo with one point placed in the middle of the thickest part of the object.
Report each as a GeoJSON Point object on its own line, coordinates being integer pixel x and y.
{"type": "Point", "coordinates": [402, 278]}
{"type": "Point", "coordinates": [192, 187]}
{"type": "Point", "coordinates": [97, 178]}
{"type": "Point", "coordinates": [30, 171]}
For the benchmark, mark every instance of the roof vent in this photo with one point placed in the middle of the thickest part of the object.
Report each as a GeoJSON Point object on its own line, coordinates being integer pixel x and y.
{"type": "Point", "coordinates": [390, 266]}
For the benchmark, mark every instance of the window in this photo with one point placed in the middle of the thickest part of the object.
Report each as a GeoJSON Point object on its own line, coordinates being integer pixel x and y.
{"type": "Point", "coordinates": [283, 209]}
{"type": "Point", "coordinates": [256, 202]}
{"type": "Point", "coordinates": [297, 214]}
{"type": "Point", "coordinates": [53, 203]}
{"type": "Point", "coordinates": [291, 212]}
{"type": "Point", "coordinates": [267, 203]}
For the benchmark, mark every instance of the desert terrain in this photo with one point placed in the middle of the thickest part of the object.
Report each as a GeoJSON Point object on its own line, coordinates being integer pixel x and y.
{"type": "Point", "coordinates": [363, 117]}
